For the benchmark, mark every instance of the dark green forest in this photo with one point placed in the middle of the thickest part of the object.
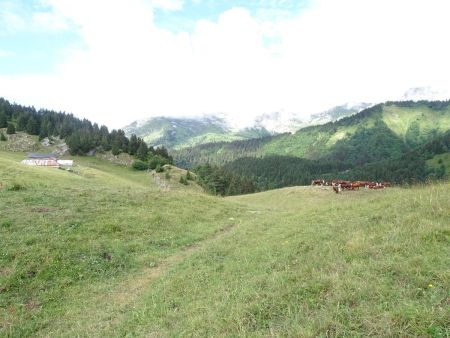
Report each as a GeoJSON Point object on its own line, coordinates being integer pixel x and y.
{"type": "Point", "coordinates": [371, 152]}
{"type": "Point", "coordinates": [408, 168]}
{"type": "Point", "coordinates": [272, 172]}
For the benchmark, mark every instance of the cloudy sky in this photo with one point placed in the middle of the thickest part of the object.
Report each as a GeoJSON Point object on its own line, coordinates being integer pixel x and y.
{"type": "Point", "coordinates": [115, 61]}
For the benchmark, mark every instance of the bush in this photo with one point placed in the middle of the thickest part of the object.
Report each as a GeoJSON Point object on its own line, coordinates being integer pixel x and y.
{"type": "Point", "coordinates": [189, 176]}
{"type": "Point", "coordinates": [168, 176]}
{"type": "Point", "coordinates": [2, 137]}
{"type": "Point", "coordinates": [183, 180]}
{"type": "Point", "coordinates": [159, 168]}
{"type": "Point", "coordinates": [157, 160]}
{"type": "Point", "coordinates": [140, 165]}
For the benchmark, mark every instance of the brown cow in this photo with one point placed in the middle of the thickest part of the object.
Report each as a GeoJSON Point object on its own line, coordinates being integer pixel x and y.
{"type": "Point", "coordinates": [376, 185]}
{"type": "Point", "coordinates": [318, 182]}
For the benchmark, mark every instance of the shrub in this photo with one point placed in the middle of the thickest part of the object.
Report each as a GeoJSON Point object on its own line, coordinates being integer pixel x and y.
{"type": "Point", "coordinates": [189, 176]}
{"type": "Point", "coordinates": [159, 168]}
{"type": "Point", "coordinates": [157, 160]}
{"type": "Point", "coordinates": [140, 165]}
{"type": "Point", "coordinates": [2, 137]}
{"type": "Point", "coordinates": [183, 180]}
{"type": "Point", "coordinates": [168, 176]}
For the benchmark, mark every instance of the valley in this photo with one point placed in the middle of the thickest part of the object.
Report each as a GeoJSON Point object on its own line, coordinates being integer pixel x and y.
{"type": "Point", "coordinates": [174, 168]}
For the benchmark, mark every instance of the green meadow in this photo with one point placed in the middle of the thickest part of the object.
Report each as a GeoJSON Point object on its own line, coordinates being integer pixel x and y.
{"type": "Point", "coordinates": [103, 251]}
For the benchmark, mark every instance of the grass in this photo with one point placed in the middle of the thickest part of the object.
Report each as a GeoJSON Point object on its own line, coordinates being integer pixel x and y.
{"type": "Point", "coordinates": [106, 253]}
{"type": "Point", "coordinates": [400, 120]}
{"type": "Point", "coordinates": [66, 237]}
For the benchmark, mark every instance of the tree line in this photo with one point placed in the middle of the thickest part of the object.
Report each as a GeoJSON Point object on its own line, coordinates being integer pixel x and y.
{"type": "Point", "coordinates": [220, 181]}
{"type": "Point", "coordinates": [272, 172]}
{"type": "Point", "coordinates": [81, 135]}
{"type": "Point", "coordinates": [408, 168]}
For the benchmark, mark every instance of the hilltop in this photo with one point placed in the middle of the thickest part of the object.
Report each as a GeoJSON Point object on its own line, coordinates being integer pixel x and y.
{"type": "Point", "coordinates": [104, 251]}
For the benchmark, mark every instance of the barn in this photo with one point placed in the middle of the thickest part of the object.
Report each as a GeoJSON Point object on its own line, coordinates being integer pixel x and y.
{"type": "Point", "coordinates": [42, 160]}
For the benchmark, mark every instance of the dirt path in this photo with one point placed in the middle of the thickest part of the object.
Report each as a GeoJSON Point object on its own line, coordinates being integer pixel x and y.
{"type": "Point", "coordinates": [128, 292]}
{"type": "Point", "coordinates": [106, 308]}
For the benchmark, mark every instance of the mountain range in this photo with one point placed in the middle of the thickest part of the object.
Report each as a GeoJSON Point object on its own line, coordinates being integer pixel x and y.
{"type": "Point", "coordinates": [178, 133]}
{"type": "Point", "coordinates": [382, 136]}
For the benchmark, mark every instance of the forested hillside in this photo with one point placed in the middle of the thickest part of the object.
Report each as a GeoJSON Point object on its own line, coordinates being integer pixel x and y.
{"type": "Point", "coordinates": [81, 135]}
{"type": "Point", "coordinates": [377, 133]}
{"type": "Point", "coordinates": [273, 172]}
{"type": "Point", "coordinates": [394, 141]}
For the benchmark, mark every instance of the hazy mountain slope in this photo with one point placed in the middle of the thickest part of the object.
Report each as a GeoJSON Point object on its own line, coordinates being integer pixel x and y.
{"type": "Point", "coordinates": [336, 113]}
{"type": "Point", "coordinates": [177, 133]}
{"type": "Point", "coordinates": [380, 132]}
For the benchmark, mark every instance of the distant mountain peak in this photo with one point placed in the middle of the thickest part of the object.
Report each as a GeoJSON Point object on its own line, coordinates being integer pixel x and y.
{"type": "Point", "coordinates": [425, 93]}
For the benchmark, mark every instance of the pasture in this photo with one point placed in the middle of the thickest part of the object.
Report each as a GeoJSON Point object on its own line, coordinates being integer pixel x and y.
{"type": "Point", "coordinates": [103, 252]}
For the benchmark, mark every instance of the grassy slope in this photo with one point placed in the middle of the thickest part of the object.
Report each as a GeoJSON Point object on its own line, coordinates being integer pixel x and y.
{"type": "Point", "coordinates": [400, 120]}
{"type": "Point", "coordinates": [79, 254]}
{"type": "Point", "coordinates": [306, 262]}
{"type": "Point", "coordinates": [316, 142]}
{"type": "Point", "coordinates": [67, 239]}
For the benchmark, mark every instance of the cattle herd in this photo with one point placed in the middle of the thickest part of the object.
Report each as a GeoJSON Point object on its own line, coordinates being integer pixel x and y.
{"type": "Point", "coordinates": [339, 185]}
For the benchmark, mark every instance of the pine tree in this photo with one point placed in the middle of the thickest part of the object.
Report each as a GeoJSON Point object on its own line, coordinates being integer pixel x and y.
{"type": "Point", "coordinates": [142, 151]}
{"type": "Point", "coordinates": [133, 145]}
{"type": "Point", "coordinates": [115, 149]}
{"type": "Point", "coordinates": [32, 127]}
{"type": "Point", "coordinates": [22, 121]}
{"type": "Point", "coordinates": [10, 129]}
{"type": "Point", "coordinates": [3, 120]}
{"type": "Point", "coordinates": [66, 128]}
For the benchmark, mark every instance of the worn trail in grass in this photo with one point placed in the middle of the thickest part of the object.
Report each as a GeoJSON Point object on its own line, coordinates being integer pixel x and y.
{"type": "Point", "coordinates": [68, 238]}
{"type": "Point", "coordinates": [105, 253]}
{"type": "Point", "coordinates": [105, 308]}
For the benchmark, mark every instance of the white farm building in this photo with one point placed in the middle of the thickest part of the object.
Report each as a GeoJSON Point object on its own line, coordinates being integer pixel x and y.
{"type": "Point", "coordinates": [46, 160]}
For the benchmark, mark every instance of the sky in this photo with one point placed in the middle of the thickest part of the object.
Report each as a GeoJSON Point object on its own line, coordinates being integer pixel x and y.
{"type": "Point", "coordinates": [116, 61]}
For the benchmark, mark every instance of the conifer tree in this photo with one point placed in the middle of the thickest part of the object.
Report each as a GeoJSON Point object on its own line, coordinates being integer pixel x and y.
{"type": "Point", "coordinates": [142, 151]}
{"type": "Point", "coordinates": [133, 145]}
{"type": "Point", "coordinates": [10, 129]}
{"type": "Point", "coordinates": [22, 121]}
{"type": "Point", "coordinates": [32, 127]}
{"type": "Point", "coordinates": [3, 120]}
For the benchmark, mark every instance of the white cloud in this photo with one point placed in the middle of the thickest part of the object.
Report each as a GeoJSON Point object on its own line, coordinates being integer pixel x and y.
{"type": "Point", "coordinates": [171, 5]}
{"type": "Point", "coordinates": [333, 52]}
{"type": "Point", "coordinates": [5, 53]}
